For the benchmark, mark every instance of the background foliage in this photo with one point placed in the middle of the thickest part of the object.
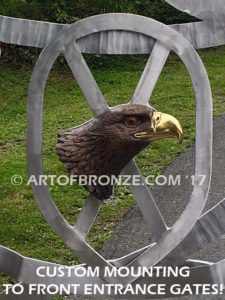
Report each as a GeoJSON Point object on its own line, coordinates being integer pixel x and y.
{"type": "Point", "coordinates": [69, 11]}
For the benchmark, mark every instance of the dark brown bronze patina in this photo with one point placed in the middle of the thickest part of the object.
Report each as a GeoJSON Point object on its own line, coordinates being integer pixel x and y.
{"type": "Point", "coordinates": [104, 145]}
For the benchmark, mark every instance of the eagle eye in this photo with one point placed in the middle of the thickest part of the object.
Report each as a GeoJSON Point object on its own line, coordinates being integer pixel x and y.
{"type": "Point", "coordinates": [132, 121]}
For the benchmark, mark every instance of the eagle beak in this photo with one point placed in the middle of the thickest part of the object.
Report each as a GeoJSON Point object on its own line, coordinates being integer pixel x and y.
{"type": "Point", "coordinates": [162, 126]}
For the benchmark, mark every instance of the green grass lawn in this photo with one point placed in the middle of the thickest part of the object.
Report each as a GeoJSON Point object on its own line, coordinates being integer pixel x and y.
{"type": "Point", "coordinates": [22, 228]}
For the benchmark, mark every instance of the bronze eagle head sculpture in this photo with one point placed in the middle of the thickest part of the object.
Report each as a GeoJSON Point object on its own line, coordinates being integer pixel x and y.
{"type": "Point", "coordinates": [104, 145]}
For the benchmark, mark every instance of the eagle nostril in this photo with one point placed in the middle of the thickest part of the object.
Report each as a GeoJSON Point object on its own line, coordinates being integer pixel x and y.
{"type": "Point", "coordinates": [157, 120]}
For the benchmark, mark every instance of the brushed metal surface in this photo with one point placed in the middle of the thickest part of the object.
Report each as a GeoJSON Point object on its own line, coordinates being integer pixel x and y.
{"type": "Point", "coordinates": [173, 41]}
{"type": "Point", "coordinates": [200, 273]}
{"type": "Point", "coordinates": [125, 34]}
{"type": "Point", "coordinates": [151, 74]}
{"type": "Point", "coordinates": [202, 9]}
{"type": "Point", "coordinates": [202, 34]}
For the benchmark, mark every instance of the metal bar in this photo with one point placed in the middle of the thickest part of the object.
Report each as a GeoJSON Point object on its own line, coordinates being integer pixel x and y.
{"type": "Point", "coordinates": [28, 33]}
{"type": "Point", "coordinates": [208, 229]}
{"type": "Point", "coordinates": [210, 33]}
{"type": "Point", "coordinates": [200, 273]}
{"type": "Point", "coordinates": [85, 79]}
{"type": "Point", "coordinates": [151, 74]}
{"type": "Point", "coordinates": [146, 203]}
{"type": "Point", "coordinates": [125, 260]}
{"type": "Point", "coordinates": [87, 216]}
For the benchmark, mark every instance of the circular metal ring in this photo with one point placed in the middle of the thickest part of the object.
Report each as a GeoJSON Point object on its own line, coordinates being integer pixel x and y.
{"type": "Point", "coordinates": [175, 42]}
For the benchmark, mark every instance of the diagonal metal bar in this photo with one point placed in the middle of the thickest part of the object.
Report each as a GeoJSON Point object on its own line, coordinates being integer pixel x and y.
{"type": "Point", "coordinates": [142, 95]}
{"type": "Point", "coordinates": [200, 272]}
{"type": "Point", "coordinates": [146, 202]}
{"type": "Point", "coordinates": [88, 215]}
{"type": "Point", "coordinates": [209, 228]}
{"type": "Point", "coordinates": [85, 79]}
{"type": "Point", "coordinates": [151, 74]}
{"type": "Point", "coordinates": [125, 260]}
